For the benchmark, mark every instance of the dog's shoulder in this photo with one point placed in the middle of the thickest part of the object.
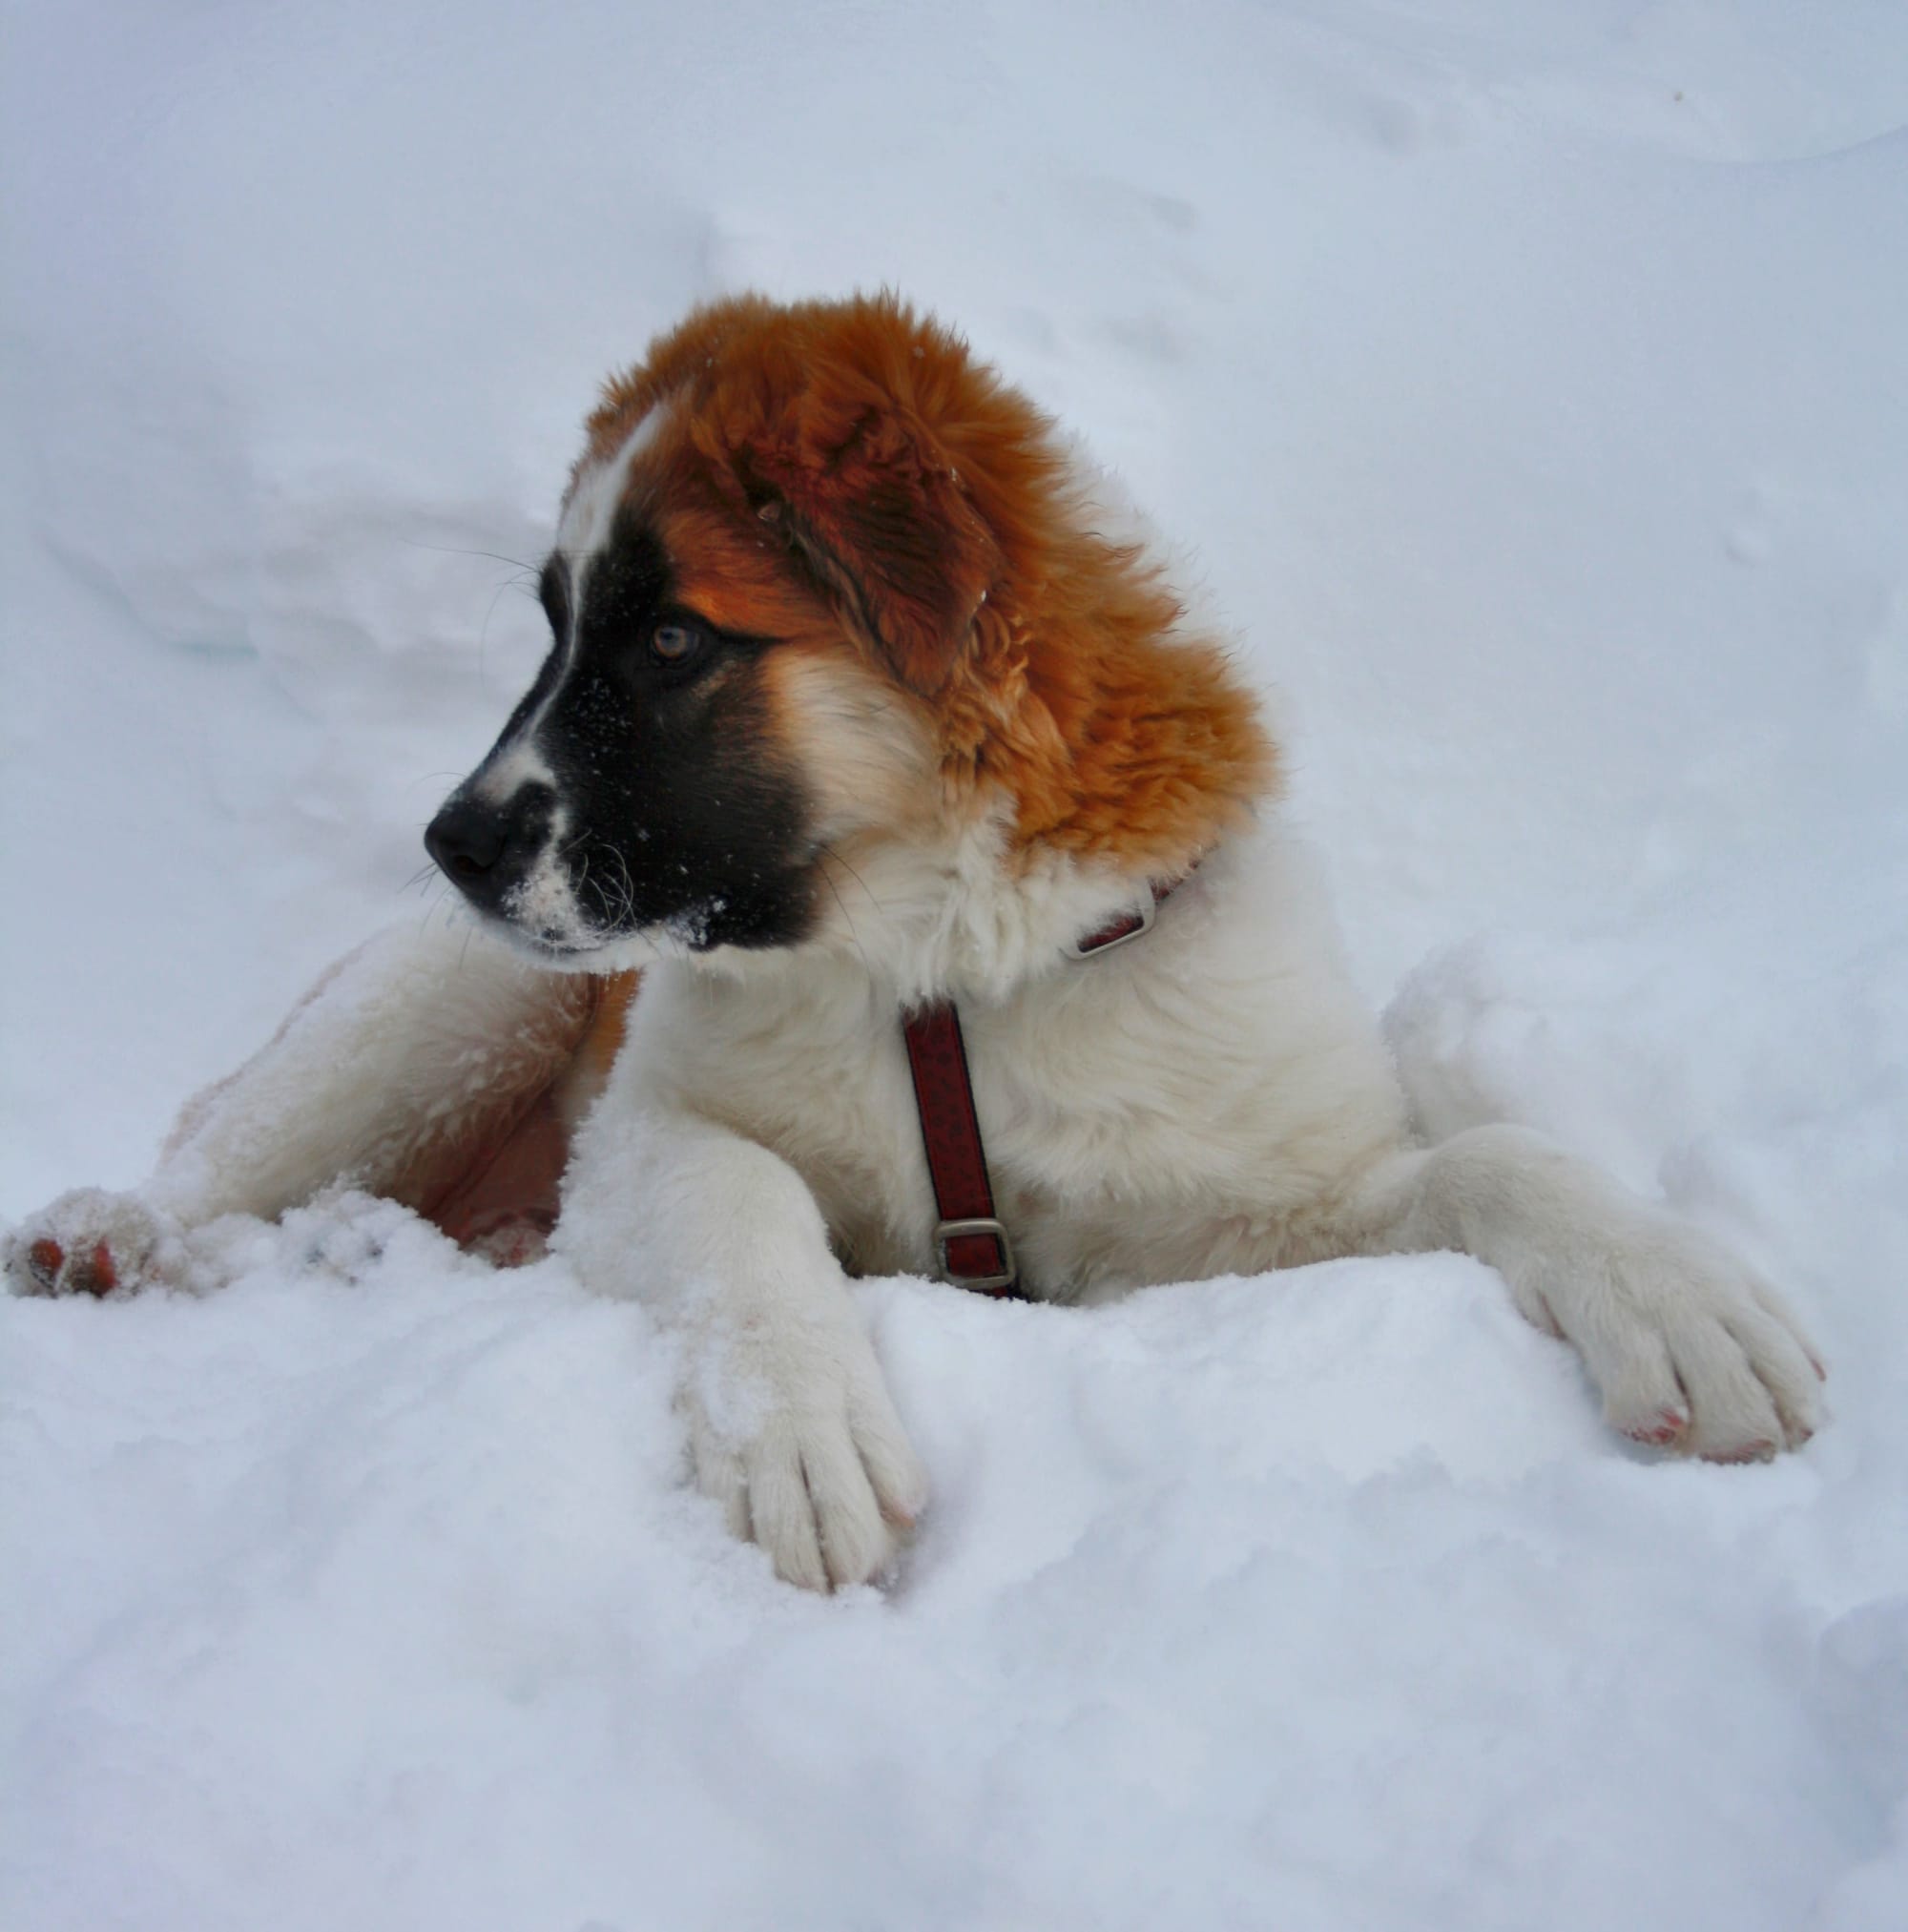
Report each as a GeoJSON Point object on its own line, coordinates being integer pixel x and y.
{"type": "Point", "coordinates": [1216, 1070]}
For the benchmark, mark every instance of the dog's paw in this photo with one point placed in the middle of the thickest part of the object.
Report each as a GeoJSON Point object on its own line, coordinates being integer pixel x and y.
{"type": "Point", "coordinates": [1695, 1353]}
{"type": "Point", "coordinates": [92, 1242]}
{"type": "Point", "coordinates": [806, 1455]}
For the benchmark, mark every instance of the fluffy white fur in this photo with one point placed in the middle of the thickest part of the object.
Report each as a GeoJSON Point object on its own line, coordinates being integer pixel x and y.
{"type": "Point", "coordinates": [1211, 1098]}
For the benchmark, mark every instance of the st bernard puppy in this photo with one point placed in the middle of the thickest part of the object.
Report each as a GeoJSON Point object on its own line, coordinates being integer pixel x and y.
{"type": "Point", "coordinates": [856, 707]}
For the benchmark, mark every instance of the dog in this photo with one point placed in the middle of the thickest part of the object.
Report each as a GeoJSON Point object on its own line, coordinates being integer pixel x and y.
{"type": "Point", "coordinates": [860, 706]}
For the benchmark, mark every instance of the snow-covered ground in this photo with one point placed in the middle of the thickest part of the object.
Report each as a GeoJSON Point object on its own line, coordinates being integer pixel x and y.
{"type": "Point", "coordinates": [1529, 383]}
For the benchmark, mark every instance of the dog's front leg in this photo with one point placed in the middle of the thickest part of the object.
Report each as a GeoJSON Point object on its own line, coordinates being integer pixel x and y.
{"type": "Point", "coordinates": [1690, 1348]}
{"type": "Point", "coordinates": [790, 1422]}
{"type": "Point", "coordinates": [391, 1068]}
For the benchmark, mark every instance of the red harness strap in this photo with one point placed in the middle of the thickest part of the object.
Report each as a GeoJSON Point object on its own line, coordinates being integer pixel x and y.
{"type": "Point", "coordinates": [970, 1242]}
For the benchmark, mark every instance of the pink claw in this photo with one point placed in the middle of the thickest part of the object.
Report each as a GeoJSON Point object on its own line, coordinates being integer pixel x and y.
{"type": "Point", "coordinates": [1669, 1424]}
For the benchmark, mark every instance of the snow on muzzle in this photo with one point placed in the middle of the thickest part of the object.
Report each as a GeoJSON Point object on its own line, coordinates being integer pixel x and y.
{"type": "Point", "coordinates": [489, 849]}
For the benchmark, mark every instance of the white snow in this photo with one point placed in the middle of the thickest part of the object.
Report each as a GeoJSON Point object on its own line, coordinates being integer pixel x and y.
{"type": "Point", "coordinates": [1530, 387]}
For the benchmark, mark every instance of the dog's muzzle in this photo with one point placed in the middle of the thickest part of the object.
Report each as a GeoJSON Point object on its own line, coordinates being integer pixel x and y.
{"type": "Point", "coordinates": [487, 850]}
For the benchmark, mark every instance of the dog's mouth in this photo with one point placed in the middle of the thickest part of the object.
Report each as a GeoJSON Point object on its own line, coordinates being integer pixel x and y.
{"type": "Point", "coordinates": [571, 900]}
{"type": "Point", "coordinates": [693, 929]}
{"type": "Point", "coordinates": [579, 943]}
{"type": "Point", "coordinates": [551, 947]}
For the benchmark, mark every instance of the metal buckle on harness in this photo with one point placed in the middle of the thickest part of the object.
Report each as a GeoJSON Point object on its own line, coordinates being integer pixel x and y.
{"type": "Point", "coordinates": [953, 1230]}
{"type": "Point", "coordinates": [1128, 926]}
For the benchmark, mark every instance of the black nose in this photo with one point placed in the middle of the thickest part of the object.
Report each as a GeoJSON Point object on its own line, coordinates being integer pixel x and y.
{"type": "Point", "coordinates": [484, 849]}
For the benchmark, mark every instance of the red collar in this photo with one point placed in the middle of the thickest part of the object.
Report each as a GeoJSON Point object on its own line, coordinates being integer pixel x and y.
{"type": "Point", "coordinates": [970, 1242]}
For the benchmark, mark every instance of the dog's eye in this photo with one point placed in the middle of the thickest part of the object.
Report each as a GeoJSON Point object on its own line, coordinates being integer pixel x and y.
{"type": "Point", "coordinates": [674, 643]}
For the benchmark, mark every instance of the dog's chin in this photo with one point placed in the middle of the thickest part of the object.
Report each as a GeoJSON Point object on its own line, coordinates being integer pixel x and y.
{"type": "Point", "coordinates": [548, 921]}
{"type": "Point", "coordinates": [553, 929]}
{"type": "Point", "coordinates": [566, 953]}
{"type": "Point", "coordinates": [564, 956]}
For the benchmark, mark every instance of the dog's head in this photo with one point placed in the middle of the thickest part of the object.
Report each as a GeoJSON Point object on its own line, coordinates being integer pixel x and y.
{"type": "Point", "coordinates": [824, 586]}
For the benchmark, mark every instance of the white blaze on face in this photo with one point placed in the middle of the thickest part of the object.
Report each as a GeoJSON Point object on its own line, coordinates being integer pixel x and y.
{"type": "Point", "coordinates": [588, 520]}
{"type": "Point", "coordinates": [545, 904]}
{"type": "Point", "coordinates": [590, 515]}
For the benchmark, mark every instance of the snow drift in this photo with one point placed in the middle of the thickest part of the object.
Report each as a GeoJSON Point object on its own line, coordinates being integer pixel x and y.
{"type": "Point", "coordinates": [1530, 391]}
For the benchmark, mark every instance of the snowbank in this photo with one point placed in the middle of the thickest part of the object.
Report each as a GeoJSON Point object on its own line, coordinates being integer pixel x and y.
{"type": "Point", "coordinates": [1528, 386]}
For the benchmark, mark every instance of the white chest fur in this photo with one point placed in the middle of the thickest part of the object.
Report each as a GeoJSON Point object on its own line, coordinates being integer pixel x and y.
{"type": "Point", "coordinates": [1173, 1107]}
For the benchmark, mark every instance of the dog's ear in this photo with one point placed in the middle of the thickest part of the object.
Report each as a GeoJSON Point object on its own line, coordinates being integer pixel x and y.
{"type": "Point", "coordinates": [866, 497]}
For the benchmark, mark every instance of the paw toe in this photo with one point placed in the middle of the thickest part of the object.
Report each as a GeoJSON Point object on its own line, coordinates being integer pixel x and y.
{"type": "Point", "coordinates": [95, 1272]}
{"type": "Point", "coordinates": [894, 1471]}
{"type": "Point", "coordinates": [1642, 1397]}
{"type": "Point", "coordinates": [1793, 1381]}
{"type": "Point", "coordinates": [1661, 1430]}
{"type": "Point", "coordinates": [782, 1516]}
{"type": "Point", "coordinates": [45, 1258]}
{"type": "Point", "coordinates": [855, 1543]}
{"type": "Point", "coordinates": [1735, 1413]}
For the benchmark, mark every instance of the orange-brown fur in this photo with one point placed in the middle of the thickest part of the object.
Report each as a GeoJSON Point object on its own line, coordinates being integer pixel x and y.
{"type": "Point", "coordinates": [504, 1166]}
{"type": "Point", "coordinates": [948, 649]}
{"type": "Point", "coordinates": [835, 466]}
{"type": "Point", "coordinates": [842, 477]}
